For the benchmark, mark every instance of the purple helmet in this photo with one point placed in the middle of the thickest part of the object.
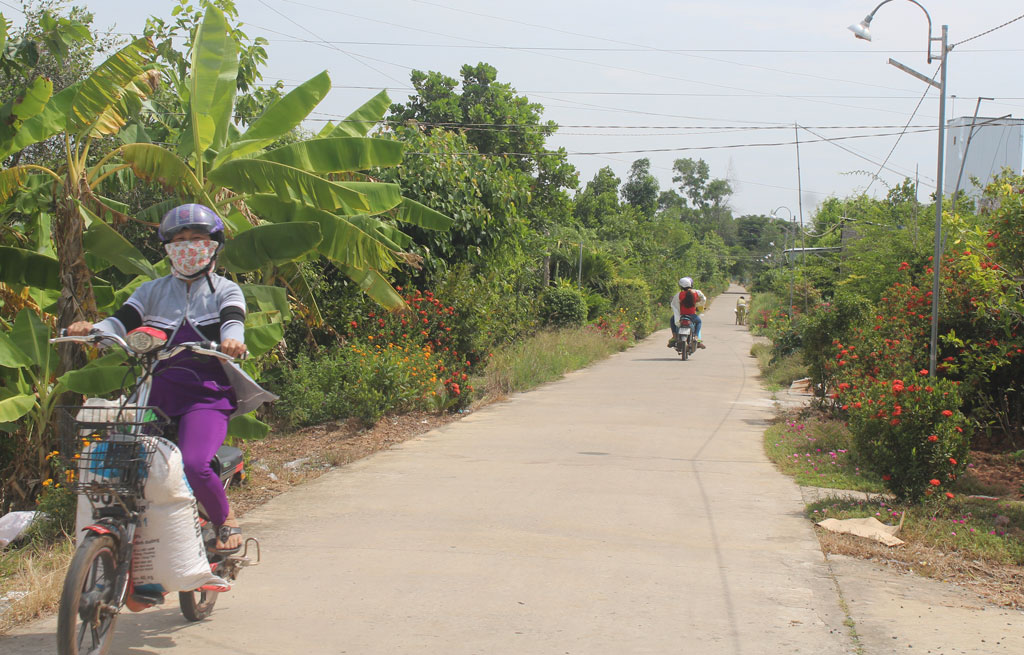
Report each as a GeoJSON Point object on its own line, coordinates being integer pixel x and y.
{"type": "Point", "coordinates": [193, 217]}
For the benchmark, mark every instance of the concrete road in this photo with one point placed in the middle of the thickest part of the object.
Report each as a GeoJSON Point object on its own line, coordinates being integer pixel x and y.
{"type": "Point", "coordinates": [625, 509]}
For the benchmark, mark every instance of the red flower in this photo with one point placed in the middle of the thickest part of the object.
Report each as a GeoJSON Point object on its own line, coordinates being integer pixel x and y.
{"type": "Point", "coordinates": [933, 437]}
{"type": "Point", "coordinates": [455, 389]}
{"type": "Point", "coordinates": [923, 371]}
{"type": "Point", "coordinates": [886, 477]}
{"type": "Point", "coordinates": [947, 412]}
{"type": "Point", "coordinates": [952, 461]}
{"type": "Point", "coordinates": [354, 324]}
{"type": "Point", "coordinates": [934, 482]}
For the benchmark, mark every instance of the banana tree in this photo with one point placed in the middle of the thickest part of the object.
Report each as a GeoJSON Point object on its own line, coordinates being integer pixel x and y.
{"type": "Point", "coordinates": [83, 113]}
{"type": "Point", "coordinates": [319, 187]}
{"type": "Point", "coordinates": [29, 396]}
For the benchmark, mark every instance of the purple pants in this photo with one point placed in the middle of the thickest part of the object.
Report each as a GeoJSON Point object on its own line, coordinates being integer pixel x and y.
{"type": "Point", "coordinates": [200, 433]}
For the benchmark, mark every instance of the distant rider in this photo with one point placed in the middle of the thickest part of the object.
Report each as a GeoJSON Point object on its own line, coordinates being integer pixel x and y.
{"type": "Point", "coordinates": [741, 310]}
{"type": "Point", "coordinates": [687, 303]}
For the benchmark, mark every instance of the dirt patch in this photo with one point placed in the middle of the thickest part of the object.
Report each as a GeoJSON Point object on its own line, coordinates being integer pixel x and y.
{"type": "Point", "coordinates": [279, 462]}
{"type": "Point", "coordinates": [996, 474]}
{"type": "Point", "coordinates": [996, 583]}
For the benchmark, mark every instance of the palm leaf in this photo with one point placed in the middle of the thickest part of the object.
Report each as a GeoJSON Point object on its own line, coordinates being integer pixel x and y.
{"type": "Point", "coordinates": [258, 176]}
{"type": "Point", "coordinates": [343, 241]}
{"type": "Point", "coordinates": [337, 155]}
{"type": "Point", "coordinates": [423, 216]}
{"type": "Point", "coordinates": [157, 164]}
{"type": "Point", "coordinates": [95, 107]}
{"type": "Point", "coordinates": [51, 120]}
{"type": "Point", "coordinates": [212, 90]}
{"type": "Point", "coordinates": [362, 120]}
{"type": "Point", "coordinates": [29, 103]}
{"type": "Point", "coordinates": [375, 286]}
{"type": "Point", "coordinates": [269, 244]}
{"type": "Point", "coordinates": [289, 111]}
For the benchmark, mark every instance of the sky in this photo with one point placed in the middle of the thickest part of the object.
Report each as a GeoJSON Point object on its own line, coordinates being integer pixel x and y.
{"type": "Point", "coordinates": [776, 96]}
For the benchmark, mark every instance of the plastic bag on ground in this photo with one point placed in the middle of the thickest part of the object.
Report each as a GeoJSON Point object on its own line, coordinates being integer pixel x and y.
{"type": "Point", "coordinates": [13, 524]}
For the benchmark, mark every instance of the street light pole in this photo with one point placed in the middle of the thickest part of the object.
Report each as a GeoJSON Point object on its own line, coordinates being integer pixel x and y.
{"type": "Point", "coordinates": [861, 31]}
{"type": "Point", "coordinates": [937, 256]}
{"type": "Point", "coordinates": [789, 260]}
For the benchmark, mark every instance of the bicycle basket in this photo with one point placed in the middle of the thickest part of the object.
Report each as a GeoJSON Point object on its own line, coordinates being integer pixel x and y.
{"type": "Point", "coordinates": [108, 449]}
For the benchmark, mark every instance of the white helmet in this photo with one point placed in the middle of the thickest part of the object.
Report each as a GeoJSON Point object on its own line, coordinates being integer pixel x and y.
{"type": "Point", "coordinates": [685, 282]}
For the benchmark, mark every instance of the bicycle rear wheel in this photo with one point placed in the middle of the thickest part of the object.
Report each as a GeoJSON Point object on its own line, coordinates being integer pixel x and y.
{"type": "Point", "coordinates": [197, 605]}
{"type": "Point", "coordinates": [85, 621]}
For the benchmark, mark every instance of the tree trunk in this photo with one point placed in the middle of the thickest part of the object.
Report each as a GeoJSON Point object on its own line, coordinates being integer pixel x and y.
{"type": "Point", "coordinates": [76, 301]}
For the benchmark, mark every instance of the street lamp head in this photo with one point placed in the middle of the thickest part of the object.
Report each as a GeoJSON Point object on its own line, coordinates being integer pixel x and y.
{"type": "Point", "coordinates": [861, 30]}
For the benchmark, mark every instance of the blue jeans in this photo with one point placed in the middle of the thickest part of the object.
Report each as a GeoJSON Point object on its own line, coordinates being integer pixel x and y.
{"type": "Point", "coordinates": [693, 318]}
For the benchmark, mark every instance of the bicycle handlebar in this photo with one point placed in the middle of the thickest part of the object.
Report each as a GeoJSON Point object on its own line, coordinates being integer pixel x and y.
{"type": "Point", "coordinates": [209, 348]}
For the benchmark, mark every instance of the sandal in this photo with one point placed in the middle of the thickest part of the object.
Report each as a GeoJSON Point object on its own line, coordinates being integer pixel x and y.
{"type": "Point", "coordinates": [225, 532]}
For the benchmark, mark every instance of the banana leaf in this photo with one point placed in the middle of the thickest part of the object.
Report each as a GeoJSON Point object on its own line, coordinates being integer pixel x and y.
{"type": "Point", "coordinates": [289, 111]}
{"type": "Point", "coordinates": [26, 268]}
{"type": "Point", "coordinates": [269, 244]}
{"type": "Point", "coordinates": [362, 120]}
{"type": "Point", "coordinates": [336, 155]}
{"type": "Point", "coordinates": [104, 242]}
{"type": "Point", "coordinates": [258, 176]}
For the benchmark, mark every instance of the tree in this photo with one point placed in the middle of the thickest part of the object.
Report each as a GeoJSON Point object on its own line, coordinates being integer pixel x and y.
{"type": "Point", "coordinates": [497, 122]}
{"type": "Point", "coordinates": [641, 188]}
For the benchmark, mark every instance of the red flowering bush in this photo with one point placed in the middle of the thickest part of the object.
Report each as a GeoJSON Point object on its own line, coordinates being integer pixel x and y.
{"type": "Point", "coordinates": [909, 429]}
{"type": "Point", "coordinates": [426, 325]}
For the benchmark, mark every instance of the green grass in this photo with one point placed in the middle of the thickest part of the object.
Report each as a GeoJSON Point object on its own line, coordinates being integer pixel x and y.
{"type": "Point", "coordinates": [544, 357]}
{"type": "Point", "coordinates": [818, 453]}
{"type": "Point", "coordinates": [779, 374]}
{"type": "Point", "coordinates": [976, 528]}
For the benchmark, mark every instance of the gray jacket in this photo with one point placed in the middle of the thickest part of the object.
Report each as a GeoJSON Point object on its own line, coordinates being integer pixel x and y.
{"type": "Point", "coordinates": [215, 310]}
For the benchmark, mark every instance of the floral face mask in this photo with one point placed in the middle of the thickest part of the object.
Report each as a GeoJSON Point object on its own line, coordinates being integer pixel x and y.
{"type": "Point", "coordinates": [188, 258]}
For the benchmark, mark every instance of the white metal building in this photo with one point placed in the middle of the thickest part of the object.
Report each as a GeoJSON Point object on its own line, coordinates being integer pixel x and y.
{"type": "Point", "coordinates": [995, 144]}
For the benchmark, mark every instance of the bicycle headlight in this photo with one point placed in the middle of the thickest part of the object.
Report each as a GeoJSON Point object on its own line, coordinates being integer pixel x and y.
{"type": "Point", "coordinates": [146, 339]}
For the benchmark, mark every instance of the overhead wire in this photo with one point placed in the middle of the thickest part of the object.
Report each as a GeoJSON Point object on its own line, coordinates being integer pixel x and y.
{"type": "Point", "coordinates": [989, 31]}
{"type": "Point", "coordinates": [589, 63]}
{"type": "Point", "coordinates": [881, 166]}
{"type": "Point", "coordinates": [356, 58]}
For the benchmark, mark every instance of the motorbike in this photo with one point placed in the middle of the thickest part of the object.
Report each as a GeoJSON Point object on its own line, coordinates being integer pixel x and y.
{"type": "Point", "coordinates": [686, 340]}
{"type": "Point", "coordinates": [112, 451]}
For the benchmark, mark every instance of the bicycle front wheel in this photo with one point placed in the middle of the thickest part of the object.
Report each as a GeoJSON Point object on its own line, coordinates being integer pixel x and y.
{"type": "Point", "coordinates": [85, 622]}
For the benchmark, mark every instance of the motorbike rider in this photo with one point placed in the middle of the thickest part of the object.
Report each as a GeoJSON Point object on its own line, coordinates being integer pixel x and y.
{"type": "Point", "coordinates": [687, 303]}
{"type": "Point", "coordinates": [193, 303]}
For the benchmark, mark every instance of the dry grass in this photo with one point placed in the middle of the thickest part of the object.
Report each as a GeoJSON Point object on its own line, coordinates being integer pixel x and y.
{"type": "Point", "coordinates": [38, 571]}
{"type": "Point", "coordinates": [1001, 584]}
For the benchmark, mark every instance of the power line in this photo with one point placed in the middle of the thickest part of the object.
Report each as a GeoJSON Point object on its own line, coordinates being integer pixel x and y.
{"type": "Point", "coordinates": [900, 137]}
{"type": "Point", "coordinates": [1012, 20]}
{"type": "Point", "coordinates": [589, 63]}
{"type": "Point", "coordinates": [358, 59]}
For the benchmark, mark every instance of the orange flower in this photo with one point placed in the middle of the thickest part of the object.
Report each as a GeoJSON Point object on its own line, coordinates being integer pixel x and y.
{"type": "Point", "coordinates": [949, 495]}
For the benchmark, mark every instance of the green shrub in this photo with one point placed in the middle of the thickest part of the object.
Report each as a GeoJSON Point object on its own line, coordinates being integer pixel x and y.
{"type": "Point", "coordinates": [910, 431]}
{"type": "Point", "coordinates": [633, 296]}
{"type": "Point", "coordinates": [597, 305]}
{"type": "Point", "coordinates": [57, 505]}
{"type": "Point", "coordinates": [563, 306]}
{"type": "Point", "coordinates": [364, 382]}
{"type": "Point", "coordinates": [821, 327]}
